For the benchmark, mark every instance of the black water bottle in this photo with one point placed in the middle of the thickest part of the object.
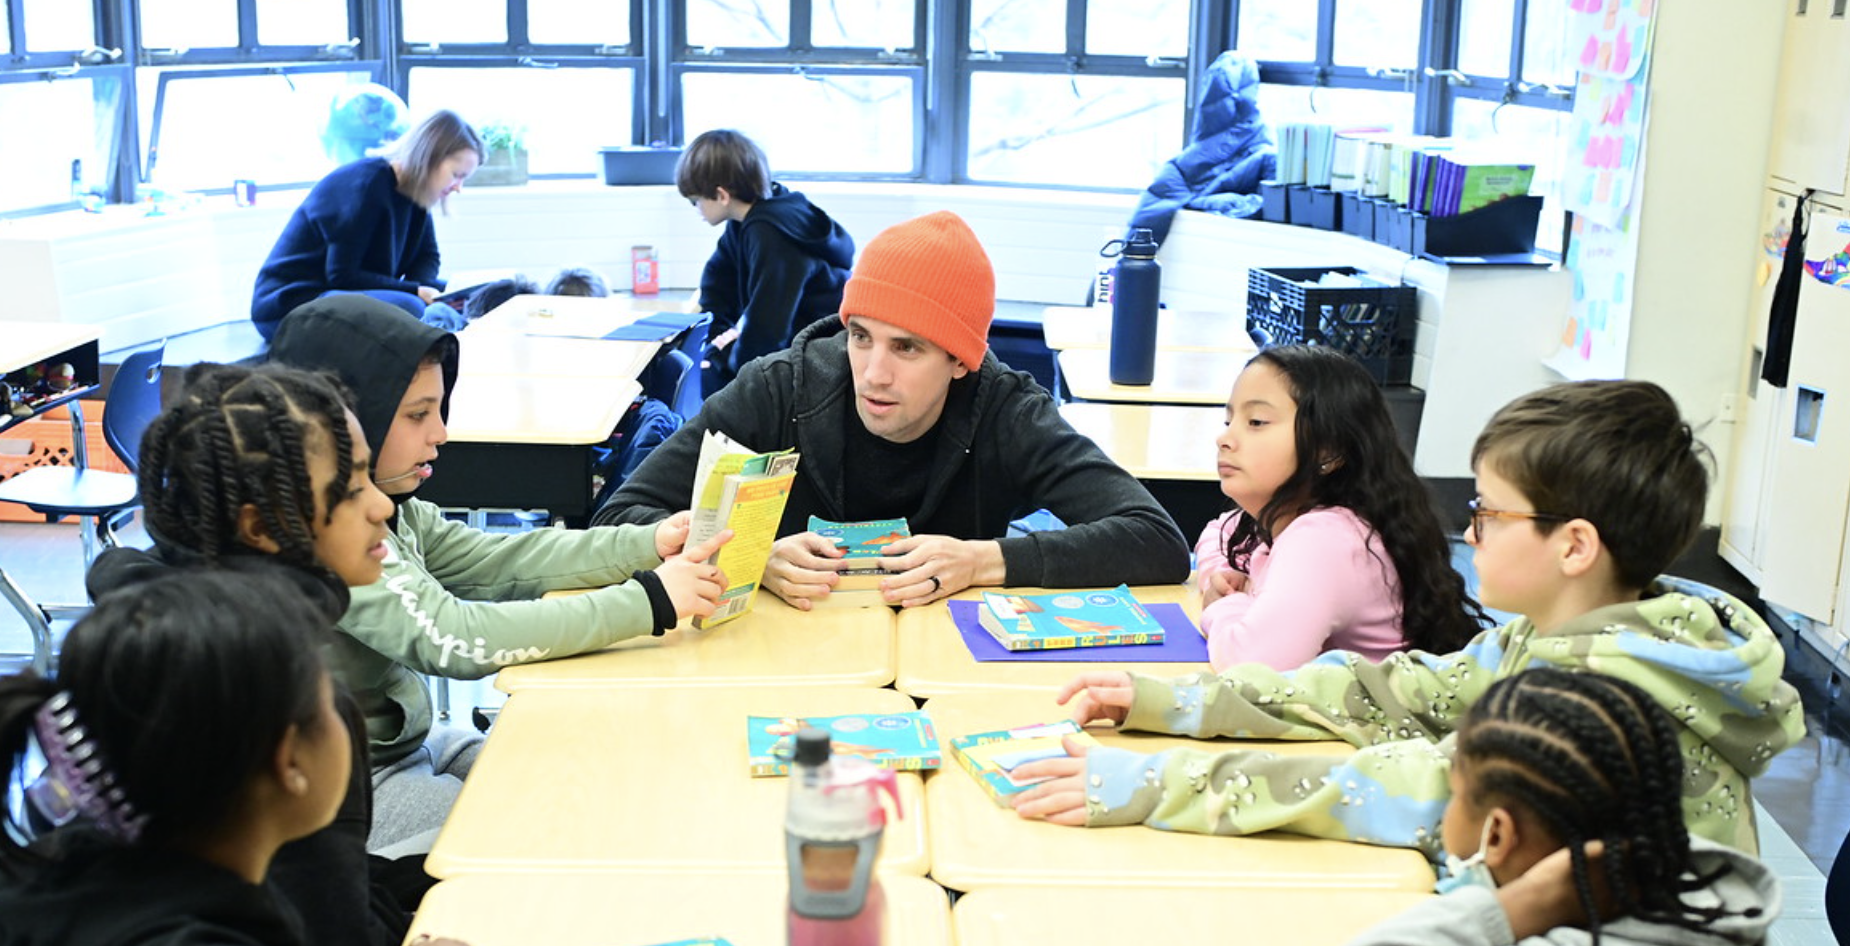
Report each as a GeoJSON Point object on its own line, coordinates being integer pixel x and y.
{"type": "Point", "coordinates": [1134, 293]}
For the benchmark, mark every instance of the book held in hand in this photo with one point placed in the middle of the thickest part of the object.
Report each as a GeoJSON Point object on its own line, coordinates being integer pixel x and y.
{"type": "Point", "coordinates": [864, 542]}
{"type": "Point", "coordinates": [899, 741]}
{"type": "Point", "coordinates": [739, 489]}
{"type": "Point", "coordinates": [993, 756]}
{"type": "Point", "coordinates": [1068, 619]}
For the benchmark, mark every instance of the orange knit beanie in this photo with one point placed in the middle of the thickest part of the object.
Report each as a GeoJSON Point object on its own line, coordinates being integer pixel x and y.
{"type": "Point", "coordinates": [928, 276]}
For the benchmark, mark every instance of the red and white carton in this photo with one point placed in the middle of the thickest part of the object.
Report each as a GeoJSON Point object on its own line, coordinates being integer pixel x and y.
{"type": "Point", "coordinates": [645, 278]}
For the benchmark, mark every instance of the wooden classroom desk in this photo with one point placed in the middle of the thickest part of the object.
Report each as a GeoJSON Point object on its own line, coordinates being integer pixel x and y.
{"type": "Point", "coordinates": [493, 352]}
{"type": "Point", "coordinates": [1152, 441]}
{"type": "Point", "coordinates": [976, 844]}
{"type": "Point", "coordinates": [1182, 377]}
{"type": "Point", "coordinates": [525, 441]}
{"type": "Point", "coordinates": [579, 316]}
{"type": "Point", "coordinates": [933, 660]}
{"type": "Point", "coordinates": [646, 779]}
{"type": "Point", "coordinates": [1018, 916]}
{"type": "Point", "coordinates": [633, 908]}
{"type": "Point", "coordinates": [775, 644]}
{"type": "Point", "coordinates": [1065, 327]}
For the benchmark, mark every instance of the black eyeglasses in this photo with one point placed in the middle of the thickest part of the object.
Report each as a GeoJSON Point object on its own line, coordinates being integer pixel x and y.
{"type": "Point", "coordinates": [1479, 515]}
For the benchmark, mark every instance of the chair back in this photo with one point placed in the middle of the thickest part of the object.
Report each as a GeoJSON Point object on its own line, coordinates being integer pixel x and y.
{"type": "Point", "coordinates": [694, 340]}
{"type": "Point", "coordinates": [133, 401]}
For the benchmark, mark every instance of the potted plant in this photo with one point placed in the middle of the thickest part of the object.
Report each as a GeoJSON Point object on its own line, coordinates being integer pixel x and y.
{"type": "Point", "coordinates": [507, 154]}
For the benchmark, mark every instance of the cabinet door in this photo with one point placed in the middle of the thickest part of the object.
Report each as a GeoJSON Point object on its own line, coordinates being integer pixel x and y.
{"type": "Point", "coordinates": [1811, 142]}
{"type": "Point", "coordinates": [1757, 407]}
{"type": "Point", "coordinates": [1808, 476]}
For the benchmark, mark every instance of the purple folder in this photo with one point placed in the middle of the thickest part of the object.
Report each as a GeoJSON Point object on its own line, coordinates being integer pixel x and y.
{"type": "Point", "coordinates": [1182, 642]}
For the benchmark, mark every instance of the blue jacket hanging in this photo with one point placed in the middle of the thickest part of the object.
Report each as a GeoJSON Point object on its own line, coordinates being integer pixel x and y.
{"type": "Point", "coordinates": [1231, 151]}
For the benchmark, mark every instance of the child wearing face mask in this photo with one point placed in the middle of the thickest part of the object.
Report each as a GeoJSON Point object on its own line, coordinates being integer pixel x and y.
{"type": "Point", "coordinates": [1564, 828]}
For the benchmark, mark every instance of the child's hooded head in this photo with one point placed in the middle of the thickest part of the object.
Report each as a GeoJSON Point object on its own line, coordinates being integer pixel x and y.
{"type": "Point", "coordinates": [389, 360]}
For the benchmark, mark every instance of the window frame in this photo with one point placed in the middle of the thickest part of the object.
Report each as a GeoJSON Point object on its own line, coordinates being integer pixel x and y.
{"type": "Point", "coordinates": [940, 65]}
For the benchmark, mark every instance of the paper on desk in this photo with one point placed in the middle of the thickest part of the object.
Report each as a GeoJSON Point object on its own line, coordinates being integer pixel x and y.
{"type": "Point", "coordinates": [1182, 641]}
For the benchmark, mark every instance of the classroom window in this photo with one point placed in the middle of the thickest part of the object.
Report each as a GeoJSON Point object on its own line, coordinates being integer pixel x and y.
{"type": "Point", "coordinates": [563, 134]}
{"type": "Point", "coordinates": [569, 22]}
{"type": "Point", "coordinates": [55, 25]}
{"type": "Point", "coordinates": [291, 125]}
{"type": "Point", "coordinates": [718, 23]}
{"type": "Point", "coordinates": [1082, 131]}
{"type": "Point", "coordinates": [173, 24]}
{"type": "Point", "coordinates": [1278, 30]}
{"type": "Point", "coordinates": [455, 21]}
{"type": "Point", "coordinates": [1381, 34]}
{"type": "Point", "coordinates": [875, 24]}
{"type": "Point", "coordinates": [1137, 28]}
{"type": "Point", "coordinates": [73, 130]}
{"type": "Point", "coordinates": [798, 118]}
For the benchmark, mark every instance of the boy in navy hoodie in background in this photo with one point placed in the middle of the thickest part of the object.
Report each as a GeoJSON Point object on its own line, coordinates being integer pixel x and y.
{"type": "Point", "coordinates": [779, 266]}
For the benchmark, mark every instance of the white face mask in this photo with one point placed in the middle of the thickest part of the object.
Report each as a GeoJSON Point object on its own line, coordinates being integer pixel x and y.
{"type": "Point", "coordinates": [1469, 871]}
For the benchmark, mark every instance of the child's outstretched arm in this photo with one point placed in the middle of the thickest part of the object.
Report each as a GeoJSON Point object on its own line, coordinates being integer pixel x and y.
{"type": "Point", "coordinates": [692, 582]}
{"type": "Point", "coordinates": [1392, 794]}
{"type": "Point", "coordinates": [1339, 695]}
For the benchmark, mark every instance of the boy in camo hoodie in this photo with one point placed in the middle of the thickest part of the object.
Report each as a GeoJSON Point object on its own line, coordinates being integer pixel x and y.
{"type": "Point", "coordinates": [1586, 491]}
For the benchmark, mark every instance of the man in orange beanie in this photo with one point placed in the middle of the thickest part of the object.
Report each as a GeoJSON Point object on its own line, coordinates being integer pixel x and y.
{"type": "Point", "coordinates": [898, 409]}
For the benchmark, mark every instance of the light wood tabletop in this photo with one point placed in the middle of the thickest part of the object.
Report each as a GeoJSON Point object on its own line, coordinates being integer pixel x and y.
{"type": "Point", "coordinates": [633, 908]}
{"type": "Point", "coordinates": [646, 779]}
{"type": "Point", "coordinates": [933, 660]}
{"type": "Point", "coordinates": [1182, 377]}
{"type": "Point", "coordinates": [1065, 327]}
{"type": "Point", "coordinates": [496, 352]}
{"type": "Point", "coordinates": [487, 408]}
{"type": "Point", "coordinates": [775, 644]}
{"type": "Point", "coordinates": [579, 316]}
{"type": "Point", "coordinates": [1152, 441]}
{"type": "Point", "coordinates": [1062, 916]}
{"type": "Point", "coordinates": [28, 343]}
{"type": "Point", "coordinates": [976, 844]}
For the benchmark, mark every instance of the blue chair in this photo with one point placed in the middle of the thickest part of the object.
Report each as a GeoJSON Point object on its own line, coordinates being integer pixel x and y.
{"type": "Point", "coordinates": [99, 498]}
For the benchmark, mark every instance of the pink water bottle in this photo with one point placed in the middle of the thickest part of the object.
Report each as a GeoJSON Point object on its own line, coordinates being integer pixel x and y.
{"type": "Point", "coordinates": [832, 835]}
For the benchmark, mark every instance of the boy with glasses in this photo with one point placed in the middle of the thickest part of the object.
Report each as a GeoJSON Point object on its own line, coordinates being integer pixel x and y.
{"type": "Point", "coordinates": [1586, 492]}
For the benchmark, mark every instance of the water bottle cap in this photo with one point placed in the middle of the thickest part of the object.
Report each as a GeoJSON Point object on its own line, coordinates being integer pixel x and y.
{"type": "Point", "coordinates": [812, 746]}
{"type": "Point", "coordinates": [1141, 243]}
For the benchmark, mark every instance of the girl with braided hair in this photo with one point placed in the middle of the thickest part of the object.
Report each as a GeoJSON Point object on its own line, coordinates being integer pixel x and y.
{"type": "Point", "coordinates": [1564, 827]}
{"type": "Point", "coordinates": [264, 472]}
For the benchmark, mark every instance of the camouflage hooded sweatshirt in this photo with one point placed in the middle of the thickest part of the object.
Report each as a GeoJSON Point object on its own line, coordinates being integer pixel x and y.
{"type": "Point", "coordinates": [1705, 656]}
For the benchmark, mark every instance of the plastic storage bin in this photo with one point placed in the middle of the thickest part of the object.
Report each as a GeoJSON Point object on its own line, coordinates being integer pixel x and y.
{"type": "Point", "coordinates": [1373, 322]}
{"type": "Point", "coordinates": [639, 165]}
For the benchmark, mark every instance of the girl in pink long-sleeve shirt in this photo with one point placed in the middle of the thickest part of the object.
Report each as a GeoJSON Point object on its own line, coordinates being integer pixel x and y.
{"type": "Point", "coordinates": [1333, 543]}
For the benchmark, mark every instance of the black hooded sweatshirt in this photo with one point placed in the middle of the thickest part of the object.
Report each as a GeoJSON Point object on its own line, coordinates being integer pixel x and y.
{"type": "Point", "coordinates": [773, 273]}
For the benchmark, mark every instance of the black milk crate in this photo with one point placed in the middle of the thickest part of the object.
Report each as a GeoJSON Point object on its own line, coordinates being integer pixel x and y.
{"type": "Point", "coordinates": [1374, 322]}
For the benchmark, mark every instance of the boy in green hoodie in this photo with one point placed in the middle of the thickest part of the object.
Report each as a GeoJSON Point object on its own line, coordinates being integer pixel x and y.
{"type": "Point", "coordinates": [1586, 492]}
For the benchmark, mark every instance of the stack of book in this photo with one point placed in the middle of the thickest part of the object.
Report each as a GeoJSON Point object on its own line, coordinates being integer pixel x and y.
{"type": "Point", "coordinates": [1068, 619]}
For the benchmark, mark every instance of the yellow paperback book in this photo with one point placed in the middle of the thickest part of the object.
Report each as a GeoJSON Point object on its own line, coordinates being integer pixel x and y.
{"type": "Point", "coordinates": [738, 489]}
{"type": "Point", "coordinates": [993, 756]}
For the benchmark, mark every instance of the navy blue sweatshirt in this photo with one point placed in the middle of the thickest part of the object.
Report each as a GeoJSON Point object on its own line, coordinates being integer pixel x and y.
{"type": "Point", "coordinates": [773, 273]}
{"type": "Point", "coordinates": [354, 231]}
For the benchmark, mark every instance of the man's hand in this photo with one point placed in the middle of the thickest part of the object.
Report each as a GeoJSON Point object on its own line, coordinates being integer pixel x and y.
{"type": "Point", "coordinates": [671, 534]}
{"type": "Point", "coordinates": [692, 583]}
{"type": "Point", "coordinates": [429, 294]}
{"type": "Point", "coordinates": [1061, 799]}
{"type": "Point", "coordinates": [803, 567]}
{"type": "Point", "coordinates": [930, 567]}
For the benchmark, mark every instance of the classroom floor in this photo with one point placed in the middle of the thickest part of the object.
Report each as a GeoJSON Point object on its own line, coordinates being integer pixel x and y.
{"type": "Point", "coordinates": [1806, 790]}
